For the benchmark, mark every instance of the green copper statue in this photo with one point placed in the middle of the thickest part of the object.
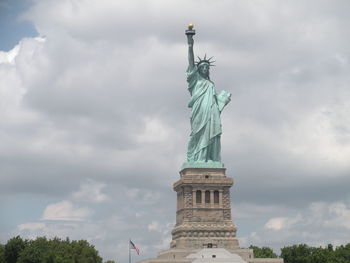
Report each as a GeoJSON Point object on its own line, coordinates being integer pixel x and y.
{"type": "Point", "coordinates": [206, 105]}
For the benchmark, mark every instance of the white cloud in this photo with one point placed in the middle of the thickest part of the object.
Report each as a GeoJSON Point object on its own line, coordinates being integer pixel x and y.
{"type": "Point", "coordinates": [154, 226]}
{"type": "Point", "coordinates": [323, 135]}
{"type": "Point", "coordinates": [339, 216]}
{"type": "Point", "coordinates": [104, 97]}
{"type": "Point", "coordinates": [247, 211]}
{"type": "Point", "coordinates": [9, 56]}
{"type": "Point", "coordinates": [91, 191]}
{"type": "Point", "coordinates": [154, 132]}
{"type": "Point", "coordinates": [66, 211]}
{"type": "Point", "coordinates": [163, 243]}
{"type": "Point", "coordinates": [164, 229]}
{"type": "Point", "coordinates": [276, 223]}
{"type": "Point", "coordinates": [73, 230]}
{"type": "Point", "coordinates": [142, 196]}
{"type": "Point", "coordinates": [280, 223]}
{"type": "Point", "coordinates": [68, 219]}
{"type": "Point", "coordinates": [12, 89]}
{"type": "Point", "coordinates": [31, 226]}
{"type": "Point", "coordinates": [319, 224]}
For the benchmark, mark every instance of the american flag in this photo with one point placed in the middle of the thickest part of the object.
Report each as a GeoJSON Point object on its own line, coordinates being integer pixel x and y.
{"type": "Point", "coordinates": [132, 246]}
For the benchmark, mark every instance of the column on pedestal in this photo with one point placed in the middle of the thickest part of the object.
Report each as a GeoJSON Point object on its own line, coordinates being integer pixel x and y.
{"type": "Point", "coordinates": [211, 197]}
{"type": "Point", "coordinates": [220, 198]}
{"type": "Point", "coordinates": [194, 197]}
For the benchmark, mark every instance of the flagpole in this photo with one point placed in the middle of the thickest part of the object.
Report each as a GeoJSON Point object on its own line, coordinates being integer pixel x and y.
{"type": "Point", "coordinates": [129, 251]}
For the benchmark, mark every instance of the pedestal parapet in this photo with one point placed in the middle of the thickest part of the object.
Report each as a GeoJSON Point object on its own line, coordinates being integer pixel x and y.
{"type": "Point", "coordinates": [203, 214]}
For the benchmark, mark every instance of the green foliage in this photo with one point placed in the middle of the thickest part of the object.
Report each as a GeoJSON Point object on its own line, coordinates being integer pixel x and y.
{"type": "Point", "coordinates": [342, 253]}
{"type": "Point", "coordinates": [42, 250]}
{"type": "Point", "coordinates": [296, 253]}
{"type": "Point", "coordinates": [305, 254]}
{"type": "Point", "coordinates": [2, 253]}
{"type": "Point", "coordinates": [264, 252]}
{"type": "Point", "coordinates": [13, 248]}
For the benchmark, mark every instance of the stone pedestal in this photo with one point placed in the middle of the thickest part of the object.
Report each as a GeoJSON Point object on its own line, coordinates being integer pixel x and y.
{"type": "Point", "coordinates": [203, 214]}
{"type": "Point", "coordinates": [204, 230]}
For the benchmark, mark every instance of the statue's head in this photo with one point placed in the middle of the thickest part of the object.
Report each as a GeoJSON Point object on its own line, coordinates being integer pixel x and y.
{"type": "Point", "coordinates": [203, 69]}
{"type": "Point", "coordinates": [204, 65]}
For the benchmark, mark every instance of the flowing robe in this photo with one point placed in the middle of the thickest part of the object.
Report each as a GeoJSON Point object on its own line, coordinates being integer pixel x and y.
{"type": "Point", "coordinates": [204, 144]}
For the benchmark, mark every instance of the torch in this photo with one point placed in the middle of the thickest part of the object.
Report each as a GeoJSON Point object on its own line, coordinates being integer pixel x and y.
{"type": "Point", "coordinates": [190, 31]}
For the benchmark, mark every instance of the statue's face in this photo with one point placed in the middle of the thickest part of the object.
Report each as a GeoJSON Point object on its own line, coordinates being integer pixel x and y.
{"type": "Point", "coordinates": [204, 70]}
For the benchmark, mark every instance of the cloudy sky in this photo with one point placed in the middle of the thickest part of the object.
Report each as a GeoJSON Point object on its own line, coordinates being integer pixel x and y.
{"type": "Point", "coordinates": [94, 119]}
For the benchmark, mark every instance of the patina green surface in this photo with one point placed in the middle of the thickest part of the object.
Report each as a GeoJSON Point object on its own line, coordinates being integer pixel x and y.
{"type": "Point", "coordinates": [206, 104]}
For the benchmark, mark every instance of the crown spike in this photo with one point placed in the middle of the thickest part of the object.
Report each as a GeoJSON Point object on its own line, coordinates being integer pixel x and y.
{"type": "Point", "coordinates": [205, 60]}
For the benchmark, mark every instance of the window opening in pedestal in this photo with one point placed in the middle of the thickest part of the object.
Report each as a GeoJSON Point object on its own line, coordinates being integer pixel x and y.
{"type": "Point", "coordinates": [198, 196]}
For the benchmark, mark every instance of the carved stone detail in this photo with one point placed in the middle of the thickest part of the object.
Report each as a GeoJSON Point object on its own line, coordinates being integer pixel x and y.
{"type": "Point", "coordinates": [188, 202]}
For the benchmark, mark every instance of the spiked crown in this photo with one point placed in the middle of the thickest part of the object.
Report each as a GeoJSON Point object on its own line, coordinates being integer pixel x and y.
{"type": "Point", "coordinates": [205, 60]}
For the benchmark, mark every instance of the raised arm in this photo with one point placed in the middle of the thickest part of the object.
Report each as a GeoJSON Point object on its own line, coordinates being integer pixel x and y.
{"type": "Point", "coordinates": [190, 33]}
{"type": "Point", "coordinates": [190, 51]}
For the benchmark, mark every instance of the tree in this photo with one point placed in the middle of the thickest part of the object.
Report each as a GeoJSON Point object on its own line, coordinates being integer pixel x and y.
{"type": "Point", "coordinates": [321, 255]}
{"type": "Point", "coordinates": [35, 251]}
{"type": "Point", "coordinates": [13, 248]}
{"type": "Point", "coordinates": [264, 252]}
{"type": "Point", "coordinates": [296, 253]}
{"type": "Point", "coordinates": [85, 253]}
{"type": "Point", "coordinates": [305, 254]}
{"type": "Point", "coordinates": [342, 253]}
{"type": "Point", "coordinates": [2, 253]}
{"type": "Point", "coordinates": [58, 251]}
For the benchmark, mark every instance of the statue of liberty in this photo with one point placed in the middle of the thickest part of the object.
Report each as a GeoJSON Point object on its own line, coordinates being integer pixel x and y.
{"type": "Point", "coordinates": [206, 105]}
